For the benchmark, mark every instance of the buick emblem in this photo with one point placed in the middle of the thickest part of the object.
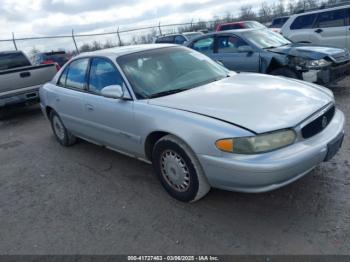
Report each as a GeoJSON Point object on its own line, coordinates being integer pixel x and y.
{"type": "Point", "coordinates": [324, 122]}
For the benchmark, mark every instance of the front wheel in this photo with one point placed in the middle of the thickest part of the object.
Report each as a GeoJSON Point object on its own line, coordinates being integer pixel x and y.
{"type": "Point", "coordinates": [284, 71]}
{"type": "Point", "coordinates": [63, 136]}
{"type": "Point", "coordinates": [179, 170]}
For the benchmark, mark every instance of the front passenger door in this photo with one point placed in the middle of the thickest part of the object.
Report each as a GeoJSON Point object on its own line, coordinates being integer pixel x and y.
{"type": "Point", "coordinates": [111, 121]}
{"type": "Point", "coordinates": [228, 52]}
{"type": "Point", "coordinates": [205, 46]}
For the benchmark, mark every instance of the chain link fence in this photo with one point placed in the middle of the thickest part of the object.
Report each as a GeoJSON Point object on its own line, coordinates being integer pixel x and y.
{"type": "Point", "coordinates": [76, 43]}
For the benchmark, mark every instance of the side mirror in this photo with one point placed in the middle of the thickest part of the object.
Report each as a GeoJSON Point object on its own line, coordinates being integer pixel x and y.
{"type": "Point", "coordinates": [245, 49]}
{"type": "Point", "coordinates": [114, 91]}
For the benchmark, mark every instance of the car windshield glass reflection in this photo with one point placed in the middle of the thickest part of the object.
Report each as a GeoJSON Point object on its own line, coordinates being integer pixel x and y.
{"type": "Point", "coordinates": [167, 71]}
{"type": "Point", "coordinates": [266, 39]}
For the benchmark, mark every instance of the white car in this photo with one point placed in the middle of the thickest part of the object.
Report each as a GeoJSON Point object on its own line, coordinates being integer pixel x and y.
{"type": "Point", "coordinates": [200, 125]}
{"type": "Point", "coordinates": [326, 27]}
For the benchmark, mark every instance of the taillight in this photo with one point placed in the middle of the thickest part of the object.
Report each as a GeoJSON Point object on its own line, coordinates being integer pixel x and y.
{"type": "Point", "coordinates": [58, 67]}
{"type": "Point", "coordinates": [49, 62]}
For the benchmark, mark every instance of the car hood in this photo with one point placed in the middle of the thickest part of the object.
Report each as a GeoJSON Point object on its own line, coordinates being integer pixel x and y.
{"type": "Point", "coordinates": [337, 55]}
{"type": "Point", "coordinates": [259, 103]}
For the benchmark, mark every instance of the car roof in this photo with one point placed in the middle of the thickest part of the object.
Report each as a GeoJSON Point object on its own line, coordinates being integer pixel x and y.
{"type": "Point", "coordinates": [126, 50]}
{"type": "Point", "coordinates": [193, 32]}
{"type": "Point", "coordinates": [235, 31]}
{"type": "Point", "coordinates": [173, 34]}
{"type": "Point", "coordinates": [321, 10]}
{"type": "Point", "coordinates": [237, 22]}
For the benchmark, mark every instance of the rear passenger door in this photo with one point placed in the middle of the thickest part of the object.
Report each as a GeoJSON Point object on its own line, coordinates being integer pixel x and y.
{"type": "Point", "coordinates": [109, 121]}
{"type": "Point", "coordinates": [68, 100]}
{"type": "Point", "coordinates": [331, 28]}
{"type": "Point", "coordinates": [227, 52]}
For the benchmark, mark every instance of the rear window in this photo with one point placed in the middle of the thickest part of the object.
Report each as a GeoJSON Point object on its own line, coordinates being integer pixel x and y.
{"type": "Point", "coordinates": [279, 22]}
{"type": "Point", "coordinates": [60, 59]}
{"type": "Point", "coordinates": [336, 18]}
{"type": "Point", "coordinates": [13, 60]}
{"type": "Point", "coordinates": [304, 22]}
{"type": "Point", "coordinates": [230, 27]}
{"type": "Point", "coordinates": [166, 39]}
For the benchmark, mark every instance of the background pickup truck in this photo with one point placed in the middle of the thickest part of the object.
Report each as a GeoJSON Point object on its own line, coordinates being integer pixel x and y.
{"type": "Point", "coordinates": [20, 80]}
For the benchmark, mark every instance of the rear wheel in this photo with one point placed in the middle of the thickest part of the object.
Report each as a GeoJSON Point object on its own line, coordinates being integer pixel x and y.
{"type": "Point", "coordinates": [284, 71]}
{"type": "Point", "coordinates": [179, 170]}
{"type": "Point", "coordinates": [63, 136]}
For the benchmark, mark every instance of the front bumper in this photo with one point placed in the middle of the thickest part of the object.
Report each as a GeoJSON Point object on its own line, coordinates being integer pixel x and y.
{"type": "Point", "coordinates": [269, 171]}
{"type": "Point", "coordinates": [328, 75]}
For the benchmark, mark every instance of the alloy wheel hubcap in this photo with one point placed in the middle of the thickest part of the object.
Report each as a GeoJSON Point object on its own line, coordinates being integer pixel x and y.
{"type": "Point", "coordinates": [175, 171]}
{"type": "Point", "coordinates": [58, 127]}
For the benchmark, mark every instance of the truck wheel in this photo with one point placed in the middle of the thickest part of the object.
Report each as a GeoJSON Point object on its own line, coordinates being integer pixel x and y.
{"type": "Point", "coordinates": [179, 170]}
{"type": "Point", "coordinates": [63, 136]}
{"type": "Point", "coordinates": [284, 71]}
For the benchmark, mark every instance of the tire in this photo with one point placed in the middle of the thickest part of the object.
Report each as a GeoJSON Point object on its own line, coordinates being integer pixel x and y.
{"type": "Point", "coordinates": [284, 71]}
{"type": "Point", "coordinates": [63, 136]}
{"type": "Point", "coordinates": [179, 170]}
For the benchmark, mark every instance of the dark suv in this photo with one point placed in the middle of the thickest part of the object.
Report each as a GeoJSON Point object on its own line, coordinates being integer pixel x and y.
{"type": "Point", "coordinates": [179, 39]}
{"type": "Point", "coordinates": [59, 58]}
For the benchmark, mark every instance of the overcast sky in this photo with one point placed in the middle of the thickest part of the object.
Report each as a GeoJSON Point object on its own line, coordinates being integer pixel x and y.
{"type": "Point", "coordinates": [57, 17]}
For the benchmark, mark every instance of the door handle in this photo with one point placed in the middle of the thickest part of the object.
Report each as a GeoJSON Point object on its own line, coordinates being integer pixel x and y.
{"type": "Point", "coordinates": [319, 31]}
{"type": "Point", "coordinates": [89, 107]}
{"type": "Point", "coordinates": [24, 74]}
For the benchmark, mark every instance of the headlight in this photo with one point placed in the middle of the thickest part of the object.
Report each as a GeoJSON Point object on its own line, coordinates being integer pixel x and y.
{"type": "Point", "coordinates": [317, 63]}
{"type": "Point", "coordinates": [257, 144]}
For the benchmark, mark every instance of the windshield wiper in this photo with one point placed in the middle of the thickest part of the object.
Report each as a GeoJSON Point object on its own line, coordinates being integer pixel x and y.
{"type": "Point", "coordinates": [175, 91]}
{"type": "Point", "coordinates": [166, 93]}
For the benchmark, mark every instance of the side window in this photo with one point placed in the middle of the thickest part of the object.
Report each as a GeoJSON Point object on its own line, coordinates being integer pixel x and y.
{"type": "Point", "coordinates": [179, 39]}
{"type": "Point", "coordinates": [76, 77]}
{"type": "Point", "coordinates": [231, 27]}
{"type": "Point", "coordinates": [230, 44]}
{"type": "Point", "coordinates": [336, 18]}
{"type": "Point", "coordinates": [204, 45]}
{"type": "Point", "coordinates": [303, 22]}
{"type": "Point", "coordinates": [63, 78]}
{"type": "Point", "coordinates": [103, 73]}
{"type": "Point", "coordinates": [166, 39]}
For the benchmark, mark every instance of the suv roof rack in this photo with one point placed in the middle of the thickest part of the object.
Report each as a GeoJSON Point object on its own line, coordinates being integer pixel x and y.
{"type": "Point", "coordinates": [323, 6]}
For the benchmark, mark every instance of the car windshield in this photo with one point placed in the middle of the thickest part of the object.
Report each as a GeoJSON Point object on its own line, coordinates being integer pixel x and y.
{"type": "Point", "coordinates": [166, 71]}
{"type": "Point", "coordinates": [279, 22]}
{"type": "Point", "coordinates": [253, 24]}
{"type": "Point", "coordinates": [266, 39]}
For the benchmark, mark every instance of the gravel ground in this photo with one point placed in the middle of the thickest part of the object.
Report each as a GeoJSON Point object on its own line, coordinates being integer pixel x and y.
{"type": "Point", "coordinates": [89, 200]}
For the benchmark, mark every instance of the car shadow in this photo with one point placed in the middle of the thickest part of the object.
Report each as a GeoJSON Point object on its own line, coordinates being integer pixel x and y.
{"type": "Point", "coordinates": [19, 113]}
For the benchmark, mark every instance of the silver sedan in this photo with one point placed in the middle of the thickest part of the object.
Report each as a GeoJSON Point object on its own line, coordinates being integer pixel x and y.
{"type": "Point", "coordinates": [200, 125]}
